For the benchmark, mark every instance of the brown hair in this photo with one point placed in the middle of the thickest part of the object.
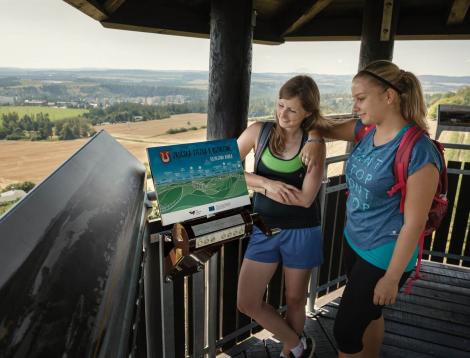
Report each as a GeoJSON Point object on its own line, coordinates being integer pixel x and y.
{"type": "Point", "coordinates": [388, 75]}
{"type": "Point", "coordinates": [305, 88]}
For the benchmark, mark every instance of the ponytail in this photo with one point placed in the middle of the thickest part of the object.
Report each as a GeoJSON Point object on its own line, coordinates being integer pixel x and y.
{"type": "Point", "coordinates": [412, 105]}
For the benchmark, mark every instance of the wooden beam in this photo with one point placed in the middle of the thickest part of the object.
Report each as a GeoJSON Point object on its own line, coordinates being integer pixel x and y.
{"type": "Point", "coordinates": [266, 32]}
{"type": "Point", "coordinates": [430, 27]}
{"type": "Point", "coordinates": [386, 20]}
{"type": "Point", "coordinates": [112, 5]}
{"type": "Point", "coordinates": [324, 29]}
{"type": "Point", "coordinates": [90, 8]}
{"type": "Point", "coordinates": [458, 12]}
{"type": "Point", "coordinates": [307, 16]}
{"type": "Point", "coordinates": [149, 17]}
{"type": "Point", "coordinates": [410, 27]}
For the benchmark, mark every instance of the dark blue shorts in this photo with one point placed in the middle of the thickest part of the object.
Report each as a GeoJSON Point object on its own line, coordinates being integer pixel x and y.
{"type": "Point", "coordinates": [295, 248]}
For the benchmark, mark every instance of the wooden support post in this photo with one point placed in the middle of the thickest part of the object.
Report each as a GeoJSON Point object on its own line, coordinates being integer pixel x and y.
{"type": "Point", "coordinates": [231, 34]}
{"type": "Point", "coordinates": [379, 23]}
{"type": "Point", "coordinates": [458, 12]}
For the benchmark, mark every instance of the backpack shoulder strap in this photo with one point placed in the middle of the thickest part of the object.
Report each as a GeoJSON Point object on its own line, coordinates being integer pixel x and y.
{"type": "Point", "coordinates": [442, 187]}
{"type": "Point", "coordinates": [263, 140]}
{"type": "Point", "coordinates": [361, 133]}
{"type": "Point", "coordinates": [402, 160]}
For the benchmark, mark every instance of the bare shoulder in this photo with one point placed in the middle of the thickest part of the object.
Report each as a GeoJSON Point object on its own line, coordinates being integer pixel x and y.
{"type": "Point", "coordinates": [248, 139]}
{"type": "Point", "coordinates": [255, 127]}
{"type": "Point", "coordinates": [252, 132]}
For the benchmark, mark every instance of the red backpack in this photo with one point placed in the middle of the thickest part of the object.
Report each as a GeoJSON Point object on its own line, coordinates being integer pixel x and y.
{"type": "Point", "coordinates": [402, 159]}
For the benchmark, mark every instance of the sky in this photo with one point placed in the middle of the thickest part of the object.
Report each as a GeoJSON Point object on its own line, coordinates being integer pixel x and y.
{"type": "Point", "coordinates": [53, 34]}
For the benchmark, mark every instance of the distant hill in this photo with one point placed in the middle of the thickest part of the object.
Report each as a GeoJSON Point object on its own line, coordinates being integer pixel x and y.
{"type": "Point", "coordinates": [91, 87]}
{"type": "Point", "coordinates": [438, 84]}
{"type": "Point", "coordinates": [145, 82]}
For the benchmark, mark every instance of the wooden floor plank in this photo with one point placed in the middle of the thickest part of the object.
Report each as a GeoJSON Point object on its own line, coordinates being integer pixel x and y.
{"type": "Point", "coordinates": [444, 271]}
{"type": "Point", "coordinates": [430, 302]}
{"type": "Point", "coordinates": [447, 266]}
{"type": "Point", "coordinates": [440, 295]}
{"type": "Point", "coordinates": [442, 287]}
{"type": "Point", "coordinates": [328, 346]}
{"type": "Point", "coordinates": [413, 319]}
{"type": "Point", "coordinates": [429, 349]}
{"type": "Point", "coordinates": [446, 280]}
{"type": "Point", "coordinates": [453, 278]}
{"type": "Point", "coordinates": [395, 352]}
{"type": "Point", "coordinates": [427, 335]}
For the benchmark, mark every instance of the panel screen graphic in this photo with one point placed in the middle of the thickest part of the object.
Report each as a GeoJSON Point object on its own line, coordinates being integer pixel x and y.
{"type": "Point", "coordinates": [197, 179]}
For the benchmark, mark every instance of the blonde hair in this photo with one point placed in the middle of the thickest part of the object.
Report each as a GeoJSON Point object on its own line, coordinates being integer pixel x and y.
{"type": "Point", "coordinates": [304, 88]}
{"type": "Point", "coordinates": [388, 75]}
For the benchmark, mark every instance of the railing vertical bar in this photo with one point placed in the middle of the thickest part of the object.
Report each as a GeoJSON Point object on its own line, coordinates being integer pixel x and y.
{"type": "Point", "coordinates": [212, 307]}
{"type": "Point", "coordinates": [322, 195]}
{"type": "Point", "coordinates": [460, 222]}
{"type": "Point", "coordinates": [312, 292]}
{"type": "Point", "coordinates": [167, 307]}
{"type": "Point", "coordinates": [198, 313]}
{"type": "Point", "coordinates": [333, 235]}
{"type": "Point", "coordinates": [442, 234]}
{"type": "Point", "coordinates": [241, 319]}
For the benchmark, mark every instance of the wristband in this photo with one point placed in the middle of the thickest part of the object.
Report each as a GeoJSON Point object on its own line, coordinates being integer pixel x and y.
{"type": "Point", "coordinates": [315, 140]}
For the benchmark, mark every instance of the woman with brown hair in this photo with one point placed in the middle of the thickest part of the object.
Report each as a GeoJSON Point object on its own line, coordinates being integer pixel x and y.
{"type": "Point", "coordinates": [381, 240]}
{"type": "Point", "coordinates": [284, 198]}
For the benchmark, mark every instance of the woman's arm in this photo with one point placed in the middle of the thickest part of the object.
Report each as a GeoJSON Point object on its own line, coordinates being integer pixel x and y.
{"type": "Point", "coordinates": [342, 131]}
{"type": "Point", "coordinates": [275, 190]}
{"type": "Point", "coordinates": [311, 152]}
{"type": "Point", "coordinates": [311, 184]}
{"type": "Point", "coordinates": [420, 190]}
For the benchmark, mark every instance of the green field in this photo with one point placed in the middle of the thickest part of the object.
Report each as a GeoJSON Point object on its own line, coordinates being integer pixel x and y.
{"type": "Point", "coordinates": [54, 113]}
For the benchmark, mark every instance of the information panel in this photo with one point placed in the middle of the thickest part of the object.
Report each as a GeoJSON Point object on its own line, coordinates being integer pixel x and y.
{"type": "Point", "coordinates": [197, 179]}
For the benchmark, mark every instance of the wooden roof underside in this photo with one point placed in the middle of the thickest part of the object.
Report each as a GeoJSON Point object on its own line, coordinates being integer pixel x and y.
{"type": "Point", "coordinates": [278, 21]}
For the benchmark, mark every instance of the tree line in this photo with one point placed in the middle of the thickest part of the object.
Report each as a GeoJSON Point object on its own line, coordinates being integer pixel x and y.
{"type": "Point", "coordinates": [132, 112]}
{"type": "Point", "coordinates": [342, 103]}
{"type": "Point", "coordinates": [40, 127]}
{"type": "Point", "coordinates": [140, 90]}
{"type": "Point", "coordinates": [331, 103]}
{"type": "Point", "coordinates": [461, 97]}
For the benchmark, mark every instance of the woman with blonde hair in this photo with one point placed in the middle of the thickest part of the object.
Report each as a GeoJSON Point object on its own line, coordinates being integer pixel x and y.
{"type": "Point", "coordinates": [380, 247]}
{"type": "Point", "coordinates": [284, 198]}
